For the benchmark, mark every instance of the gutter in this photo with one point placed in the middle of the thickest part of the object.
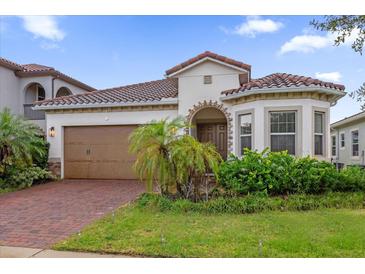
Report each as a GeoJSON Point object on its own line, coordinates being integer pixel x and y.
{"type": "Point", "coordinates": [282, 90]}
{"type": "Point", "coordinates": [98, 105]}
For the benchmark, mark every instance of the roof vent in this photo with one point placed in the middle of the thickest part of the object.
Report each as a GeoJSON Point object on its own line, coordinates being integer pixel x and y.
{"type": "Point", "coordinates": [207, 79]}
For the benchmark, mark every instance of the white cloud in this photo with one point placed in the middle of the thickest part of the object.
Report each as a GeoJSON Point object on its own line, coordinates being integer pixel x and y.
{"type": "Point", "coordinates": [43, 27]}
{"type": "Point", "coordinates": [49, 45]}
{"type": "Point", "coordinates": [307, 43]}
{"type": "Point", "coordinates": [329, 76]}
{"type": "Point", "coordinates": [254, 25]}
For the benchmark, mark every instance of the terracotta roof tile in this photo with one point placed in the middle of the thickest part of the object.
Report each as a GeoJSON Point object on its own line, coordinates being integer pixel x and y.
{"type": "Point", "coordinates": [41, 70]}
{"type": "Point", "coordinates": [153, 91]}
{"type": "Point", "coordinates": [283, 80]}
{"type": "Point", "coordinates": [211, 55]}
{"type": "Point", "coordinates": [36, 67]}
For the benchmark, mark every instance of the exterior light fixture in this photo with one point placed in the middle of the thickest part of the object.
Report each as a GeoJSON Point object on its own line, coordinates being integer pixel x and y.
{"type": "Point", "coordinates": [52, 132]}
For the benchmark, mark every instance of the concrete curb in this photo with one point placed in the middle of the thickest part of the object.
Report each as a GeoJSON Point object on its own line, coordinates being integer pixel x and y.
{"type": "Point", "coordinates": [26, 252]}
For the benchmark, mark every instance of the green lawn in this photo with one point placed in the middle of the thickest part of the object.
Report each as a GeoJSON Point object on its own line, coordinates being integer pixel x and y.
{"type": "Point", "coordinates": [320, 233]}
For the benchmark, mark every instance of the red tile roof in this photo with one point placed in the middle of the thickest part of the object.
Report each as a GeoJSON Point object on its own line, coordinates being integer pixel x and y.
{"type": "Point", "coordinates": [36, 67]}
{"type": "Point", "coordinates": [211, 55]}
{"type": "Point", "coordinates": [283, 80]}
{"type": "Point", "coordinates": [41, 70]}
{"type": "Point", "coordinates": [153, 91]}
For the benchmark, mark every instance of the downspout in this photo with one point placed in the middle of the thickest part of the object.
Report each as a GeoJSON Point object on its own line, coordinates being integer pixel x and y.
{"type": "Point", "coordinates": [53, 79]}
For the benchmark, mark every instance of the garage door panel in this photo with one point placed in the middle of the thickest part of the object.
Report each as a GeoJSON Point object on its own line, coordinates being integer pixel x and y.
{"type": "Point", "coordinates": [111, 170]}
{"type": "Point", "coordinates": [98, 152]}
{"type": "Point", "coordinates": [76, 169]}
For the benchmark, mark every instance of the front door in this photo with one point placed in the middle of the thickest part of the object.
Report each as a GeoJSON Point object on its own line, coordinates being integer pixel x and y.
{"type": "Point", "coordinates": [215, 134]}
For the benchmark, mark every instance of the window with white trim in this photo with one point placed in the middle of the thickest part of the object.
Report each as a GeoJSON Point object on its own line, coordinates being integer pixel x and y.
{"type": "Point", "coordinates": [333, 145]}
{"type": "Point", "coordinates": [342, 140]}
{"type": "Point", "coordinates": [245, 140]}
{"type": "Point", "coordinates": [355, 143]}
{"type": "Point", "coordinates": [283, 131]}
{"type": "Point", "coordinates": [318, 133]}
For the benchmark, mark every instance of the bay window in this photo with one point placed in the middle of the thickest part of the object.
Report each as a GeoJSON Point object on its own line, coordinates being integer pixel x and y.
{"type": "Point", "coordinates": [283, 131]}
{"type": "Point", "coordinates": [318, 133]}
{"type": "Point", "coordinates": [245, 128]}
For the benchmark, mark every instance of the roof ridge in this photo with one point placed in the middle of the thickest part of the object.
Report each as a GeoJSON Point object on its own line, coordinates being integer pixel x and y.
{"type": "Point", "coordinates": [212, 55]}
{"type": "Point", "coordinates": [136, 84]}
{"type": "Point", "coordinates": [283, 80]}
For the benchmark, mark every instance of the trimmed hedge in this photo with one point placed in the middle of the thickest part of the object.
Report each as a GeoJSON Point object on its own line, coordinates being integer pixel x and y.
{"type": "Point", "coordinates": [253, 203]}
{"type": "Point", "coordinates": [278, 173]}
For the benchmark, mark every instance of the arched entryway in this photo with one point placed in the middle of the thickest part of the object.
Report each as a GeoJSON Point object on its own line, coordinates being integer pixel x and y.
{"type": "Point", "coordinates": [33, 92]}
{"type": "Point", "coordinates": [209, 124]}
{"type": "Point", "coordinates": [63, 91]}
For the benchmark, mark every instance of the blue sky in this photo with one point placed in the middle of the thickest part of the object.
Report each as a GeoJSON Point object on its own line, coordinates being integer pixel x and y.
{"type": "Point", "coordinates": [108, 51]}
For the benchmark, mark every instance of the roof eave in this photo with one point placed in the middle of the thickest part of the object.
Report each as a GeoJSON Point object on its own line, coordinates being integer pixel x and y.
{"type": "Point", "coordinates": [338, 93]}
{"type": "Point", "coordinates": [348, 120]}
{"type": "Point", "coordinates": [171, 101]}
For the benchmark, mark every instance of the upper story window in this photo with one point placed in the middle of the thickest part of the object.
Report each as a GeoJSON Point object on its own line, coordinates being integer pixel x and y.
{"type": "Point", "coordinates": [318, 133]}
{"type": "Point", "coordinates": [333, 145]}
{"type": "Point", "coordinates": [342, 140]}
{"type": "Point", "coordinates": [208, 79]}
{"type": "Point", "coordinates": [41, 93]}
{"type": "Point", "coordinates": [245, 140]}
{"type": "Point", "coordinates": [355, 143]}
{"type": "Point", "coordinates": [283, 131]}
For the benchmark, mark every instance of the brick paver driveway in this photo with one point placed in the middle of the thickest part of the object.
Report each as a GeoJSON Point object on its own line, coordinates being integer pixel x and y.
{"type": "Point", "coordinates": [45, 214]}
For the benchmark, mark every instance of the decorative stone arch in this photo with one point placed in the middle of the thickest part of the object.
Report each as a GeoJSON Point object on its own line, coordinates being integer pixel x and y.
{"type": "Point", "coordinates": [213, 104]}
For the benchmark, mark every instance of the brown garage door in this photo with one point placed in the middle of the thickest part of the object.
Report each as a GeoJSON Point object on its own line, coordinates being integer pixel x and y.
{"type": "Point", "coordinates": [98, 152]}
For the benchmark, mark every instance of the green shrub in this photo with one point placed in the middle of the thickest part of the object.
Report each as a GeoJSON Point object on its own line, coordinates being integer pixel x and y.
{"type": "Point", "coordinates": [352, 178]}
{"type": "Point", "coordinates": [253, 203]}
{"type": "Point", "coordinates": [277, 173]}
{"type": "Point", "coordinates": [22, 178]}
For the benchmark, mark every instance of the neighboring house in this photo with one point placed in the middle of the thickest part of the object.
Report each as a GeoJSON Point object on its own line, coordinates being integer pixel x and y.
{"type": "Point", "coordinates": [88, 133]}
{"type": "Point", "coordinates": [22, 85]}
{"type": "Point", "coordinates": [348, 141]}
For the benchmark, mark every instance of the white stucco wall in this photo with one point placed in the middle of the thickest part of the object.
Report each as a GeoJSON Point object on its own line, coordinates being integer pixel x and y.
{"type": "Point", "coordinates": [59, 121]}
{"type": "Point", "coordinates": [193, 90]}
{"type": "Point", "coordinates": [9, 90]}
{"type": "Point", "coordinates": [258, 108]}
{"type": "Point", "coordinates": [13, 96]}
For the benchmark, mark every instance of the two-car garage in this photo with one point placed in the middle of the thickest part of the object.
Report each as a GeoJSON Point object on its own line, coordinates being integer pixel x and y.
{"type": "Point", "coordinates": [98, 152]}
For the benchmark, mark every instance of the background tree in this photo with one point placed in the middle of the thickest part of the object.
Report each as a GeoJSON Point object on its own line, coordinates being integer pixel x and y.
{"type": "Point", "coordinates": [345, 26]}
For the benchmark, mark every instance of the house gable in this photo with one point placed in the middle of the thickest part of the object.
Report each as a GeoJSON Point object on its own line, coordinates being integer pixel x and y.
{"type": "Point", "coordinates": [193, 89]}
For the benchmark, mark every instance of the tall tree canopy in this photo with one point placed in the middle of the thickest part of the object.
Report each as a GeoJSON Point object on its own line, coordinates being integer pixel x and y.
{"type": "Point", "coordinates": [344, 26]}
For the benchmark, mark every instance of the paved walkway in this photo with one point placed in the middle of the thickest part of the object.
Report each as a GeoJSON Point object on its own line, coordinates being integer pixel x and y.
{"type": "Point", "coordinates": [42, 215]}
{"type": "Point", "coordinates": [26, 252]}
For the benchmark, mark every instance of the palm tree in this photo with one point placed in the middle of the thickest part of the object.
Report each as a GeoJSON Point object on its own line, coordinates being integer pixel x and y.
{"type": "Point", "coordinates": [192, 161]}
{"type": "Point", "coordinates": [20, 141]}
{"type": "Point", "coordinates": [151, 144]}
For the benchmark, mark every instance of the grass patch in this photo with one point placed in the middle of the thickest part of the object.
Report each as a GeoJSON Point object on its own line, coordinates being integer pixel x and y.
{"type": "Point", "coordinates": [254, 203]}
{"type": "Point", "coordinates": [151, 232]}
